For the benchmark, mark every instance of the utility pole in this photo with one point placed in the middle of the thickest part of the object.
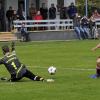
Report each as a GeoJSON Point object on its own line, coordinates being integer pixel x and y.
{"type": "Point", "coordinates": [86, 7]}
{"type": "Point", "coordinates": [25, 9]}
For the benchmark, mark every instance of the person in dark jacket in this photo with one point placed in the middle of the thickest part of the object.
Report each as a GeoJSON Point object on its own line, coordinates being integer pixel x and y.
{"type": "Point", "coordinates": [9, 15]}
{"type": "Point", "coordinates": [72, 10]}
{"type": "Point", "coordinates": [52, 12]}
{"type": "Point", "coordinates": [44, 11]}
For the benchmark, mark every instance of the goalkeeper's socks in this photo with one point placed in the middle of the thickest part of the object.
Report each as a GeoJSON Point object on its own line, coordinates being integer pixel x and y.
{"type": "Point", "coordinates": [3, 78]}
{"type": "Point", "coordinates": [38, 78]}
{"type": "Point", "coordinates": [41, 79]}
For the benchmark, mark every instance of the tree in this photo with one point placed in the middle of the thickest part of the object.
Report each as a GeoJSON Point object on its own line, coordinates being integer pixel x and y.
{"type": "Point", "coordinates": [92, 4]}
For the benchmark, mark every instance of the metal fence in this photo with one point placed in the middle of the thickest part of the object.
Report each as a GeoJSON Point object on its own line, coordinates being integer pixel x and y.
{"type": "Point", "coordinates": [45, 24]}
{"type": "Point", "coordinates": [49, 24]}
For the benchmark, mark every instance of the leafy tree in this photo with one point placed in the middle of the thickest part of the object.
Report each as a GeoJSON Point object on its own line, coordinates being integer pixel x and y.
{"type": "Point", "coordinates": [92, 4]}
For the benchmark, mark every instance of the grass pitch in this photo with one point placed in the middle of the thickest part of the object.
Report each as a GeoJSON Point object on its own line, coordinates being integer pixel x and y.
{"type": "Point", "coordinates": [74, 61]}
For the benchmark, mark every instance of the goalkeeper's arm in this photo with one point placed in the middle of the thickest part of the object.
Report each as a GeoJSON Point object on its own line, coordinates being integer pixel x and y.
{"type": "Point", "coordinates": [12, 46]}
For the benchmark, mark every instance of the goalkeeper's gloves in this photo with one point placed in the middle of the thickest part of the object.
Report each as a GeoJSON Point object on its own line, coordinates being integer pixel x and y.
{"type": "Point", "coordinates": [13, 46]}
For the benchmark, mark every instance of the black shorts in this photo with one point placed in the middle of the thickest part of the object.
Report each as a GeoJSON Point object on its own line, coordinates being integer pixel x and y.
{"type": "Point", "coordinates": [18, 76]}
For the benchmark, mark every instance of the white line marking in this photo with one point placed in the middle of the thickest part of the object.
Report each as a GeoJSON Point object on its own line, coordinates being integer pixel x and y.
{"type": "Point", "coordinates": [80, 69]}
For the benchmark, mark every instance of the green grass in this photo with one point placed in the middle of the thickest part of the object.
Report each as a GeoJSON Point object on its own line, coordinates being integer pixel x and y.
{"type": "Point", "coordinates": [68, 85]}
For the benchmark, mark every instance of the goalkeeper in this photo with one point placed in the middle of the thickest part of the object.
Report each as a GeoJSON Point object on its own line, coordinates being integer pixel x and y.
{"type": "Point", "coordinates": [16, 69]}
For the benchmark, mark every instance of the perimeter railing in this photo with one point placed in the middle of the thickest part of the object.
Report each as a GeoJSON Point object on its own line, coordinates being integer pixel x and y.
{"type": "Point", "coordinates": [56, 24]}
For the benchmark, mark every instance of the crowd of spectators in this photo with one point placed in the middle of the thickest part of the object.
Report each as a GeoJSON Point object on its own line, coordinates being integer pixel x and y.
{"type": "Point", "coordinates": [85, 27]}
{"type": "Point", "coordinates": [82, 24]}
{"type": "Point", "coordinates": [45, 13]}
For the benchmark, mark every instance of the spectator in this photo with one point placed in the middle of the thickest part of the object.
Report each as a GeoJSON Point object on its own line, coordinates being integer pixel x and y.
{"type": "Point", "coordinates": [95, 14]}
{"type": "Point", "coordinates": [72, 10]}
{"type": "Point", "coordinates": [38, 16]}
{"type": "Point", "coordinates": [15, 16]}
{"type": "Point", "coordinates": [52, 12]}
{"type": "Point", "coordinates": [44, 11]}
{"type": "Point", "coordinates": [76, 22]}
{"type": "Point", "coordinates": [24, 33]}
{"type": "Point", "coordinates": [52, 15]}
{"type": "Point", "coordinates": [9, 15]}
{"type": "Point", "coordinates": [32, 11]}
{"type": "Point", "coordinates": [20, 13]}
{"type": "Point", "coordinates": [63, 12]}
{"type": "Point", "coordinates": [92, 26]}
{"type": "Point", "coordinates": [85, 27]}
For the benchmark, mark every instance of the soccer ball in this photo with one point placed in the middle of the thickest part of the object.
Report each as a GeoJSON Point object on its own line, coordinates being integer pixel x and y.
{"type": "Point", "coordinates": [52, 70]}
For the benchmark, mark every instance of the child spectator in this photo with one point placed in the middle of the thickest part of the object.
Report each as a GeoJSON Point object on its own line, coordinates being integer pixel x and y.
{"type": "Point", "coordinates": [24, 33]}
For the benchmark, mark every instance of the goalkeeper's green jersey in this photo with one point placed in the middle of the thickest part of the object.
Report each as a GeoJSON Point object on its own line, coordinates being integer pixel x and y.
{"type": "Point", "coordinates": [12, 63]}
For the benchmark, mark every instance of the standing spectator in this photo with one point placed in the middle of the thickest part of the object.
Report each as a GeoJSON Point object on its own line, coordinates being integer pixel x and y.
{"type": "Point", "coordinates": [32, 11]}
{"type": "Point", "coordinates": [63, 15]}
{"type": "Point", "coordinates": [52, 12]}
{"type": "Point", "coordinates": [9, 15]}
{"type": "Point", "coordinates": [38, 16]}
{"type": "Point", "coordinates": [44, 11]}
{"type": "Point", "coordinates": [15, 16]}
{"type": "Point", "coordinates": [72, 10]}
{"type": "Point", "coordinates": [20, 13]}
{"type": "Point", "coordinates": [63, 12]}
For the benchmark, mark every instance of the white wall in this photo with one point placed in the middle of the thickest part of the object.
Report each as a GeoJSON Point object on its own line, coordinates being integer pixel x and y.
{"type": "Point", "coordinates": [67, 2]}
{"type": "Point", "coordinates": [13, 3]}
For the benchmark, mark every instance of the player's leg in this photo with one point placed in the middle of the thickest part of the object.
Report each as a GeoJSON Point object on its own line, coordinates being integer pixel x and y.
{"type": "Point", "coordinates": [33, 77]}
{"type": "Point", "coordinates": [14, 79]}
{"type": "Point", "coordinates": [98, 67]}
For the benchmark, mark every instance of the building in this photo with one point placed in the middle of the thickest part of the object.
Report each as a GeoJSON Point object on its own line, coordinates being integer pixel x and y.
{"type": "Point", "coordinates": [4, 4]}
{"type": "Point", "coordinates": [37, 3]}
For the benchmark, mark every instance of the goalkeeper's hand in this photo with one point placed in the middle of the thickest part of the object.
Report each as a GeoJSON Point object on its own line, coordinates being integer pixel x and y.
{"type": "Point", "coordinates": [12, 46]}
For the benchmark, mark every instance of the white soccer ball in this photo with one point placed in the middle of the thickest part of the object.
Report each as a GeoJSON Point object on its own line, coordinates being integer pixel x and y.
{"type": "Point", "coordinates": [52, 70]}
